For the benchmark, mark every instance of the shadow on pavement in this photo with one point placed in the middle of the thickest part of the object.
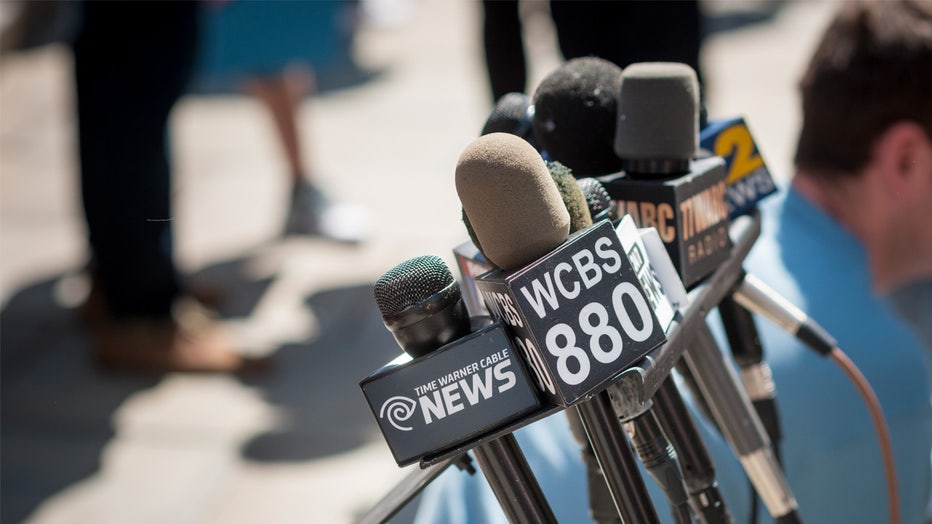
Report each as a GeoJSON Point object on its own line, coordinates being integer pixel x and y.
{"type": "Point", "coordinates": [317, 383]}
{"type": "Point", "coordinates": [58, 408]}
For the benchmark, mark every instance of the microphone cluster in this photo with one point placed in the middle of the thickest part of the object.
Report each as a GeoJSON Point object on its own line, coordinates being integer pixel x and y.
{"type": "Point", "coordinates": [596, 212]}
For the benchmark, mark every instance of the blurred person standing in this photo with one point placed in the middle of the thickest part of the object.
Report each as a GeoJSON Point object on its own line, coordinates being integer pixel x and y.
{"type": "Point", "coordinates": [852, 233]}
{"type": "Point", "coordinates": [132, 61]}
{"type": "Point", "coordinates": [622, 32]}
{"type": "Point", "coordinates": [271, 51]}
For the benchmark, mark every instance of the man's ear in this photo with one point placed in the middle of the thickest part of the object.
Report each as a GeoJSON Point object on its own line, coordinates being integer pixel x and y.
{"type": "Point", "coordinates": [903, 158]}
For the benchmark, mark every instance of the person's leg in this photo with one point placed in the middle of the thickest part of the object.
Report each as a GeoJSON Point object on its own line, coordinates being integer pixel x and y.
{"type": "Point", "coordinates": [503, 43]}
{"type": "Point", "coordinates": [630, 31]}
{"type": "Point", "coordinates": [132, 62]}
{"type": "Point", "coordinates": [310, 211]}
{"type": "Point", "coordinates": [282, 93]}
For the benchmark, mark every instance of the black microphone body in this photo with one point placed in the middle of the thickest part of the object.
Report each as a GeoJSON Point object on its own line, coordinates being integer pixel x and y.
{"type": "Point", "coordinates": [459, 384]}
{"type": "Point", "coordinates": [574, 306]}
{"type": "Point", "coordinates": [664, 185]}
{"type": "Point", "coordinates": [471, 395]}
{"type": "Point", "coordinates": [687, 209]}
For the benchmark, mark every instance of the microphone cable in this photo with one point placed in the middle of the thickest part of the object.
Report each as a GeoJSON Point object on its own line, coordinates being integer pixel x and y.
{"type": "Point", "coordinates": [880, 426]}
{"type": "Point", "coordinates": [753, 294]}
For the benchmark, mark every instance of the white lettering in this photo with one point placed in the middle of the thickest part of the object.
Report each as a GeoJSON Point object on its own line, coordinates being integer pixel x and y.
{"type": "Point", "coordinates": [479, 388]}
{"type": "Point", "coordinates": [540, 293]}
{"type": "Point", "coordinates": [570, 294]}
{"type": "Point", "coordinates": [585, 264]}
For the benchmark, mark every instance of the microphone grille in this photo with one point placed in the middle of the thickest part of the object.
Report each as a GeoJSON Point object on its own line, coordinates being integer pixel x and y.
{"type": "Point", "coordinates": [597, 197]}
{"type": "Point", "coordinates": [411, 282]}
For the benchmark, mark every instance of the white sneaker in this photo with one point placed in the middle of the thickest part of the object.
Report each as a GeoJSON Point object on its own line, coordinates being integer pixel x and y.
{"type": "Point", "coordinates": [312, 213]}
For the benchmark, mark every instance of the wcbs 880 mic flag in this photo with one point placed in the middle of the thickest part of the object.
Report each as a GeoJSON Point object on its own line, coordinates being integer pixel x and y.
{"type": "Point", "coordinates": [573, 306]}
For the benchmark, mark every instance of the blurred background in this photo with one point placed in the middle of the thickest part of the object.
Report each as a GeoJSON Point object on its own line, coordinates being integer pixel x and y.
{"type": "Point", "coordinates": [385, 127]}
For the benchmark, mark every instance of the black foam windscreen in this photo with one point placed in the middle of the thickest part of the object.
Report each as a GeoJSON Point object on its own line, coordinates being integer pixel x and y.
{"type": "Point", "coordinates": [510, 199]}
{"type": "Point", "coordinates": [575, 113]}
{"type": "Point", "coordinates": [412, 282]}
{"type": "Point", "coordinates": [658, 118]}
{"type": "Point", "coordinates": [572, 196]}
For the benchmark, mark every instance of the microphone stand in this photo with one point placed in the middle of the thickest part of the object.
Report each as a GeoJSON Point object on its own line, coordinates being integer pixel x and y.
{"type": "Point", "coordinates": [625, 399]}
{"type": "Point", "coordinates": [512, 481]}
{"type": "Point", "coordinates": [722, 394]}
{"type": "Point", "coordinates": [698, 470]}
{"type": "Point", "coordinates": [748, 352]}
{"type": "Point", "coordinates": [616, 460]}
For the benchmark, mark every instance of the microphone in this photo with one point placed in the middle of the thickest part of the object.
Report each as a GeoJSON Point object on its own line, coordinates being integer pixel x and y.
{"type": "Point", "coordinates": [551, 290]}
{"type": "Point", "coordinates": [652, 448]}
{"type": "Point", "coordinates": [657, 139]}
{"type": "Point", "coordinates": [421, 305]}
{"type": "Point", "coordinates": [572, 195]}
{"type": "Point", "coordinates": [464, 388]}
{"type": "Point", "coordinates": [502, 168]}
{"type": "Point", "coordinates": [749, 181]}
{"type": "Point", "coordinates": [513, 114]}
{"type": "Point", "coordinates": [600, 203]}
{"type": "Point", "coordinates": [451, 385]}
{"type": "Point", "coordinates": [552, 295]}
{"type": "Point", "coordinates": [664, 185]}
{"type": "Point", "coordinates": [575, 113]}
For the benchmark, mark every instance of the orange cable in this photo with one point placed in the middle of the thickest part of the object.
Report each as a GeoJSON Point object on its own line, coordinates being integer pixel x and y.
{"type": "Point", "coordinates": [880, 425]}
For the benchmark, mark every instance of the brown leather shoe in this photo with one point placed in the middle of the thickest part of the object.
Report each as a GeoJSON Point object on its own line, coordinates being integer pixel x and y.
{"type": "Point", "coordinates": [95, 310]}
{"type": "Point", "coordinates": [190, 340]}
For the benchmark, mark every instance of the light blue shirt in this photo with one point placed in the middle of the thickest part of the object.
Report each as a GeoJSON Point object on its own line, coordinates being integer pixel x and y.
{"type": "Point", "coordinates": [830, 449]}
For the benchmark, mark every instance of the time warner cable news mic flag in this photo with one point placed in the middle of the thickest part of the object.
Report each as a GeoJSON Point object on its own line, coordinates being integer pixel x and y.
{"type": "Point", "coordinates": [578, 319]}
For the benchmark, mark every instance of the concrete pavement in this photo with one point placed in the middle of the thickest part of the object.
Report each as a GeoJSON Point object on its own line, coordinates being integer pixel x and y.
{"type": "Point", "coordinates": [80, 445]}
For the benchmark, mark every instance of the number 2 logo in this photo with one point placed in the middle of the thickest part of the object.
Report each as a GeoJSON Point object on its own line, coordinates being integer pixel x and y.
{"type": "Point", "coordinates": [736, 142]}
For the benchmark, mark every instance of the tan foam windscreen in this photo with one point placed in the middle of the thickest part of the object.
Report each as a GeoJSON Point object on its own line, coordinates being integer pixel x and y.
{"type": "Point", "coordinates": [511, 200]}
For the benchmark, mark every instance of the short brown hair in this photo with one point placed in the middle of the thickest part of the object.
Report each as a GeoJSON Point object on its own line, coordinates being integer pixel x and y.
{"type": "Point", "coordinates": [872, 68]}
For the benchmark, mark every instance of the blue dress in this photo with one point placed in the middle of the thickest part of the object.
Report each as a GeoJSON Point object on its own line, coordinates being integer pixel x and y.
{"type": "Point", "coordinates": [243, 38]}
{"type": "Point", "coordinates": [830, 450]}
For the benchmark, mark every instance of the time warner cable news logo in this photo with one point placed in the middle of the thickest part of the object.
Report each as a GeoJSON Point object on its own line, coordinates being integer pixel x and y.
{"type": "Point", "coordinates": [452, 392]}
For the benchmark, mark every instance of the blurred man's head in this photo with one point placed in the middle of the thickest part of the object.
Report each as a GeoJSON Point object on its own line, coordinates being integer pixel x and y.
{"type": "Point", "coordinates": [865, 149]}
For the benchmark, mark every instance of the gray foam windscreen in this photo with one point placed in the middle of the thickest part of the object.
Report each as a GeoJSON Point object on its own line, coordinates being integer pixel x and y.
{"type": "Point", "coordinates": [658, 116]}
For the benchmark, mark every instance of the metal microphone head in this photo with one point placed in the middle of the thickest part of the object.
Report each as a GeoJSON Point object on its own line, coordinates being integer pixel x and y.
{"type": "Point", "coordinates": [600, 203]}
{"type": "Point", "coordinates": [421, 304]}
